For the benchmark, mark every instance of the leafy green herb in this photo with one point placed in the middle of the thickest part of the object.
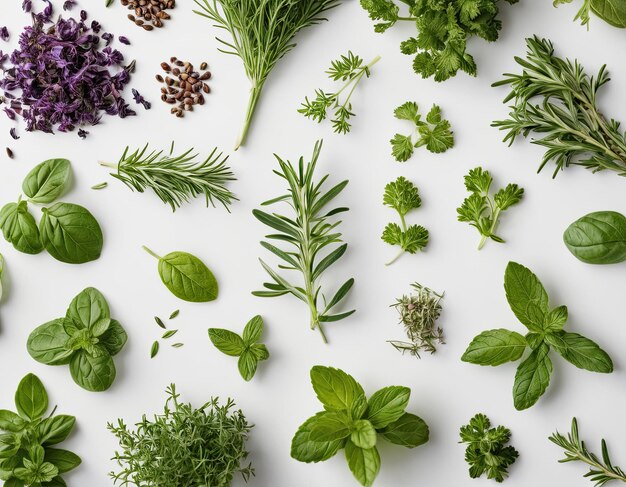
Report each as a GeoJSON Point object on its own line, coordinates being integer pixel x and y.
{"type": "Point", "coordinates": [155, 349]}
{"type": "Point", "coordinates": [70, 233]}
{"type": "Point", "coordinates": [403, 196]}
{"type": "Point", "coordinates": [487, 450]}
{"type": "Point", "coordinates": [611, 11]}
{"type": "Point", "coordinates": [354, 423]}
{"type": "Point", "coordinates": [310, 231]}
{"type": "Point", "coordinates": [443, 26]}
{"type": "Point", "coordinates": [529, 302]}
{"type": "Point", "coordinates": [184, 446]}
{"type": "Point", "coordinates": [349, 69]}
{"type": "Point", "coordinates": [47, 181]}
{"type": "Point", "coordinates": [169, 334]}
{"type": "Point", "coordinates": [100, 185]}
{"type": "Point", "coordinates": [483, 211]}
{"type": "Point", "coordinates": [186, 276]}
{"type": "Point", "coordinates": [174, 314]}
{"type": "Point", "coordinates": [159, 322]}
{"type": "Point", "coordinates": [576, 131]}
{"type": "Point", "coordinates": [434, 132]}
{"type": "Point", "coordinates": [262, 32]}
{"type": "Point", "coordinates": [19, 228]}
{"type": "Point", "coordinates": [598, 238]}
{"type": "Point", "coordinates": [176, 179]}
{"type": "Point", "coordinates": [419, 313]}
{"type": "Point", "coordinates": [86, 339]}
{"type": "Point", "coordinates": [27, 456]}
{"type": "Point", "coordinates": [601, 471]}
{"type": "Point", "coordinates": [247, 347]}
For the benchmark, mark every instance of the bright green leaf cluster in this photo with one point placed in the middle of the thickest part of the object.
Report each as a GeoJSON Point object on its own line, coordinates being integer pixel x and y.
{"type": "Point", "coordinates": [86, 339]}
{"type": "Point", "coordinates": [26, 454]}
{"type": "Point", "coordinates": [443, 26]}
{"type": "Point", "coordinates": [529, 302]}
{"type": "Point", "coordinates": [481, 210]}
{"type": "Point", "coordinates": [487, 451]}
{"type": "Point", "coordinates": [246, 347]}
{"type": "Point", "coordinates": [69, 232]}
{"type": "Point", "coordinates": [349, 69]}
{"type": "Point", "coordinates": [354, 423]}
{"type": "Point", "coordinates": [433, 132]}
{"type": "Point", "coordinates": [403, 196]}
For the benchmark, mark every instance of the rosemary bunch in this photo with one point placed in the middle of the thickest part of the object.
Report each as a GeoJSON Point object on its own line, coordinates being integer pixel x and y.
{"type": "Point", "coordinates": [601, 470]}
{"type": "Point", "coordinates": [310, 233]}
{"type": "Point", "coordinates": [262, 32]}
{"type": "Point", "coordinates": [176, 179]}
{"type": "Point", "coordinates": [576, 132]}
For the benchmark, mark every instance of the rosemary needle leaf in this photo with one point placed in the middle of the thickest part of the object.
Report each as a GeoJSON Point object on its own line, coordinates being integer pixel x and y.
{"type": "Point", "coordinates": [176, 179]}
{"type": "Point", "coordinates": [100, 185]}
{"type": "Point", "coordinates": [174, 314]}
{"type": "Point", "coordinates": [177, 345]}
{"type": "Point", "coordinates": [169, 334]}
{"type": "Point", "coordinates": [159, 322]}
{"type": "Point", "coordinates": [154, 350]}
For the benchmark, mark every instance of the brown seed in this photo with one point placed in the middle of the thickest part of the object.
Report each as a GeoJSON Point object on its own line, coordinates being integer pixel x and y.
{"type": "Point", "coordinates": [188, 101]}
{"type": "Point", "coordinates": [166, 67]}
{"type": "Point", "coordinates": [179, 63]}
{"type": "Point", "coordinates": [197, 87]}
{"type": "Point", "coordinates": [131, 17]}
{"type": "Point", "coordinates": [173, 59]}
{"type": "Point", "coordinates": [172, 91]}
{"type": "Point", "coordinates": [174, 110]}
{"type": "Point", "coordinates": [193, 80]}
{"type": "Point", "coordinates": [159, 78]}
{"type": "Point", "coordinates": [203, 66]}
{"type": "Point", "coordinates": [179, 95]}
{"type": "Point", "coordinates": [147, 16]}
{"type": "Point", "coordinates": [180, 114]}
{"type": "Point", "coordinates": [200, 99]}
{"type": "Point", "coordinates": [176, 71]}
{"type": "Point", "coordinates": [206, 88]}
{"type": "Point", "coordinates": [164, 97]}
{"type": "Point", "coordinates": [139, 22]}
{"type": "Point", "coordinates": [184, 76]}
{"type": "Point", "coordinates": [170, 100]}
{"type": "Point", "coordinates": [206, 76]}
{"type": "Point", "coordinates": [169, 81]}
{"type": "Point", "coordinates": [138, 12]}
{"type": "Point", "coordinates": [10, 153]}
{"type": "Point", "coordinates": [157, 23]}
{"type": "Point", "coordinates": [147, 27]}
{"type": "Point", "coordinates": [163, 90]}
{"type": "Point", "coordinates": [187, 94]}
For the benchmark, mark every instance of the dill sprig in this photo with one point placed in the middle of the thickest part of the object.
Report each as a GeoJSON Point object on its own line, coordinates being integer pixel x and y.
{"type": "Point", "coordinates": [262, 32]}
{"type": "Point", "coordinates": [183, 446]}
{"type": "Point", "coordinates": [176, 179]}
{"type": "Point", "coordinates": [576, 132]}
{"type": "Point", "coordinates": [419, 313]}
{"type": "Point", "coordinates": [601, 470]}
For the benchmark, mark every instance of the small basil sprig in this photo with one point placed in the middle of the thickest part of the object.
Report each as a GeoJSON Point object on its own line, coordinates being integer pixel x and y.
{"type": "Point", "coordinates": [86, 339]}
{"type": "Point", "coordinates": [26, 453]}
{"type": "Point", "coordinates": [353, 423]}
{"type": "Point", "coordinates": [246, 347]}
{"type": "Point", "coordinates": [529, 302]}
{"type": "Point", "coordinates": [598, 238]}
{"type": "Point", "coordinates": [186, 276]}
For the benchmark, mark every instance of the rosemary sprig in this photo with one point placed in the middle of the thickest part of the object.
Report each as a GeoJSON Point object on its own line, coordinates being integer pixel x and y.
{"type": "Point", "coordinates": [262, 32]}
{"type": "Point", "coordinates": [309, 232]}
{"type": "Point", "coordinates": [176, 179]}
{"type": "Point", "coordinates": [601, 470]}
{"type": "Point", "coordinates": [575, 130]}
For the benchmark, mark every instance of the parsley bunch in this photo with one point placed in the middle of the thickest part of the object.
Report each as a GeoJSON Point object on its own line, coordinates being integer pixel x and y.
{"type": "Point", "coordinates": [481, 210]}
{"type": "Point", "coordinates": [444, 27]}
{"type": "Point", "coordinates": [487, 450]}
{"type": "Point", "coordinates": [434, 132]}
{"type": "Point", "coordinates": [403, 196]}
{"type": "Point", "coordinates": [350, 69]}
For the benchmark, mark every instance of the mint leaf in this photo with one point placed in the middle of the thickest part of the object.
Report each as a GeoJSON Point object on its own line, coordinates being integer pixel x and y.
{"type": "Point", "coordinates": [526, 296]}
{"type": "Point", "coordinates": [532, 378]}
{"type": "Point", "coordinates": [253, 330]}
{"type": "Point", "coordinates": [409, 431]}
{"type": "Point", "coordinates": [247, 364]}
{"type": "Point", "coordinates": [495, 347]}
{"type": "Point", "coordinates": [580, 351]}
{"type": "Point", "coordinates": [306, 450]}
{"type": "Point", "coordinates": [364, 463]}
{"type": "Point", "coordinates": [330, 426]}
{"type": "Point", "coordinates": [387, 405]}
{"type": "Point", "coordinates": [226, 341]}
{"type": "Point", "coordinates": [555, 319]}
{"type": "Point", "coordinates": [363, 434]}
{"type": "Point", "coordinates": [335, 389]}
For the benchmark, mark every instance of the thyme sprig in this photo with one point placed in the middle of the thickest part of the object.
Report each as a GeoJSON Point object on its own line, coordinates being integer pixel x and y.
{"type": "Point", "coordinates": [176, 179]}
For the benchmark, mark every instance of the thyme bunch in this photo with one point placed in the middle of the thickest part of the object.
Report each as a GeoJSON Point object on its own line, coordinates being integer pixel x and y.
{"type": "Point", "coordinates": [419, 313]}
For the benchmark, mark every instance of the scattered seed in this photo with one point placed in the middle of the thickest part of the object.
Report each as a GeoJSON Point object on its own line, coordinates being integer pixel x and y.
{"type": "Point", "coordinates": [159, 322]}
{"type": "Point", "coordinates": [10, 153]}
{"type": "Point", "coordinates": [177, 345]}
{"type": "Point", "coordinates": [203, 66]}
{"type": "Point", "coordinates": [100, 186]}
{"type": "Point", "coordinates": [174, 314]}
{"type": "Point", "coordinates": [169, 334]}
{"type": "Point", "coordinates": [154, 350]}
{"type": "Point", "coordinates": [151, 13]}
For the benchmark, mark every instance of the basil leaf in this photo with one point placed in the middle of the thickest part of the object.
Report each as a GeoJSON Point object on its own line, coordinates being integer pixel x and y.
{"type": "Point", "coordinates": [88, 308]}
{"type": "Point", "coordinates": [260, 351]}
{"type": "Point", "coordinates": [9, 421]}
{"type": "Point", "coordinates": [598, 238]}
{"type": "Point", "coordinates": [93, 373]}
{"type": "Point", "coordinates": [9, 445]}
{"type": "Point", "coordinates": [55, 429]}
{"type": "Point", "coordinates": [555, 319]}
{"type": "Point", "coordinates": [31, 398]}
{"type": "Point", "coordinates": [611, 11]}
{"type": "Point", "coordinates": [55, 482]}
{"type": "Point", "coordinates": [19, 228]}
{"type": "Point", "coordinates": [364, 463]}
{"type": "Point", "coordinates": [253, 330]}
{"type": "Point", "coordinates": [247, 364]}
{"type": "Point", "coordinates": [334, 388]}
{"type": "Point", "coordinates": [47, 343]}
{"type": "Point", "coordinates": [63, 460]}
{"type": "Point", "coordinates": [580, 351]}
{"type": "Point", "coordinates": [330, 426]}
{"type": "Point", "coordinates": [114, 338]}
{"type": "Point", "coordinates": [526, 296]}
{"type": "Point", "coordinates": [387, 405]}
{"type": "Point", "coordinates": [495, 347]}
{"type": "Point", "coordinates": [532, 378]}
{"type": "Point", "coordinates": [306, 450]}
{"type": "Point", "coordinates": [534, 340]}
{"type": "Point", "coordinates": [47, 181]}
{"type": "Point", "coordinates": [408, 431]}
{"type": "Point", "coordinates": [226, 341]}
{"type": "Point", "coordinates": [363, 434]}
{"type": "Point", "coordinates": [70, 233]}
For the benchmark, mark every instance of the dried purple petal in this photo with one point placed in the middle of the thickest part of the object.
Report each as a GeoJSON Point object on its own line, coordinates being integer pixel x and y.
{"type": "Point", "coordinates": [83, 15]}
{"type": "Point", "coordinates": [4, 33]}
{"type": "Point", "coordinates": [10, 113]}
{"type": "Point", "coordinates": [140, 99]}
{"type": "Point", "coordinates": [82, 133]}
{"type": "Point", "coordinates": [27, 5]}
{"type": "Point", "coordinates": [69, 4]}
{"type": "Point", "coordinates": [124, 40]}
{"type": "Point", "coordinates": [108, 37]}
{"type": "Point", "coordinates": [13, 133]}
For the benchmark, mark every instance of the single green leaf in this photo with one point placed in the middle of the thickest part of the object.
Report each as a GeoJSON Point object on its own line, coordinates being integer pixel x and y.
{"type": "Point", "coordinates": [9, 446]}
{"type": "Point", "coordinates": [55, 429]}
{"type": "Point", "coordinates": [363, 434]}
{"type": "Point", "coordinates": [154, 349]}
{"type": "Point", "coordinates": [89, 308]}
{"type": "Point", "coordinates": [580, 351]}
{"type": "Point", "coordinates": [598, 238]}
{"type": "Point", "coordinates": [364, 463]}
{"type": "Point", "coordinates": [526, 296]}
{"type": "Point", "coordinates": [19, 228]}
{"type": "Point", "coordinates": [534, 340]}
{"type": "Point", "coordinates": [555, 319]}
{"type": "Point", "coordinates": [247, 365]}
{"type": "Point", "coordinates": [169, 334]}
{"type": "Point", "coordinates": [93, 373]}
{"type": "Point", "coordinates": [47, 181]}
{"type": "Point", "coordinates": [253, 330]}
{"type": "Point", "coordinates": [409, 431]}
{"type": "Point", "coordinates": [387, 405]}
{"type": "Point", "coordinates": [260, 351]}
{"type": "Point", "coordinates": [114, 338]}
{"type": "Point", "coordinates": [47, 343]}
{"type": "Point", "coordinates": [63, 460]}
{"type": "Point", "coordinates": [70, 233]}
{"type": "Point", "coordinates": [408, 111]}
{"type": "Point", "coordinates": [31, 398]}
{"type": "Point", "coordinates": [335, 389]}
{"type": "Point", "coordinates": [306, 450]}
{"type": "Point", "coordinates": [495, 347]}
{"type": "Point", "coordinates": [532, 378]}
{"type": "Point", "coordinates": [611, 11]}
{"type": "Point", "coordinates": [330, 426]}
{"type": "Point", "coordinates": [9, 421]}
{"type": "Point", "coordinates": [401, 147]}
{"type": "Point", "coordinates": [226, 341]}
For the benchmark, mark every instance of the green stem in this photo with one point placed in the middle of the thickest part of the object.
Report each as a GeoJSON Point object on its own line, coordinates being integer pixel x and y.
{"type": "Point", "coordinates": [158, 257]}
{"type": "Point", "coordinates": [494, 223]}
{"type": "Point", "coordinates": [255, 93]}
{"type": "Point", "coordinates": [403, 222]}
{"type": "Point", "coordinates": [410, 19]}
{"type": "Point", "coordinates": [395, 258]}
{"type": "Point", "coordinates": [601, 468]}
{"type": "Point", "coordinates": [112, 165]}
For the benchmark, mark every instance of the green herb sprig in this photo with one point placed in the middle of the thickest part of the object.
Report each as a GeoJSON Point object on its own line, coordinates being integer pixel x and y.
{"type": "Point", "coordinates": [350, 69]}
{"type": "Point", "coordinates": [612, 12]}
{"type": "Point", "coordinates": [311, 233]}
{"type": "Point", "coordinates": [483, 211]}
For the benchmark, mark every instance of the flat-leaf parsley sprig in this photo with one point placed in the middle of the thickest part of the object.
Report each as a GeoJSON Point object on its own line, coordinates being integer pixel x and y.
{"type": "Point", "coordinates": [350, 69]}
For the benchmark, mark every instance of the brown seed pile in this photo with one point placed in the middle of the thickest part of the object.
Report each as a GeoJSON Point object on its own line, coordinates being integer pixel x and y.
{"type": "Point", "coordinates": [149, 13]}
{"type": "Point", "coordinates": [184, 86]}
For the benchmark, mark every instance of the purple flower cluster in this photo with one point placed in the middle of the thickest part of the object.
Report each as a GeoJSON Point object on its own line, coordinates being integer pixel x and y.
{"type": "Point", "coordinates": [63, 75]}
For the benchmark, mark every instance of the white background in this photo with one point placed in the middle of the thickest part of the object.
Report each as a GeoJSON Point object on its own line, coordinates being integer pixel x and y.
{"type": "Point", "coordinates": [445, 391]}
